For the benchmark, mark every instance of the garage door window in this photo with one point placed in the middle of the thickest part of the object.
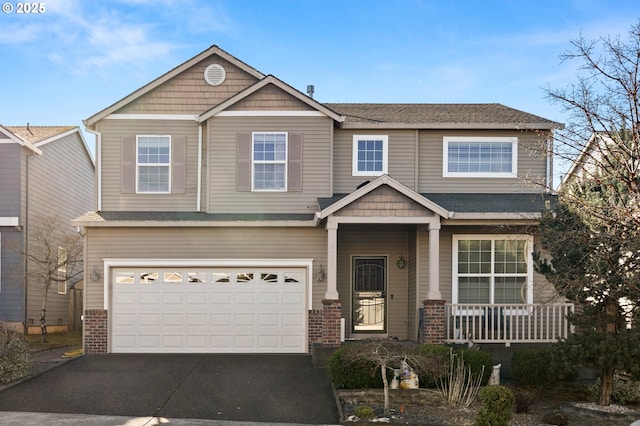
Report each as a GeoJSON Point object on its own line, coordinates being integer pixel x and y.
{"type": "Point", "coordinates": [197, 277]}
{"type": "Point", "coordinates": [148, 277]}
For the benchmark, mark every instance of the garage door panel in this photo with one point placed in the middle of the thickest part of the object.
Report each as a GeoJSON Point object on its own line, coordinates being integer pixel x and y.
{"type": "Point", "coordinates": [266, 320]}
{"type": "Point", "coordinates": [149, 319]}
{"type": "Point", "coordinates": [194, 320]}
{"type": "Point", "coordinates": [175, 341]}
{"type": "Point", "coordinates": [225, 311]}
{"type": "Point", "coordinates": [173, 320]}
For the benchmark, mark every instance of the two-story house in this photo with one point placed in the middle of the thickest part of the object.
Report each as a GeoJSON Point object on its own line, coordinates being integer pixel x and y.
{"type": "Point", "coordinates": [45, 171]}
{"type": "Point", "coordinates": [238, 214]}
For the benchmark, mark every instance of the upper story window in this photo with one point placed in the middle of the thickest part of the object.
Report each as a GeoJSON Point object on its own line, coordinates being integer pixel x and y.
{"type": "Point", "coordinates": [153, 164]}
{"type": "Point", "coordinates": [370, 155]}
{"type": "Point", "coordinates": [480, 156]}
{"type": "Point", "coordinates": [492, 269]}
{"type": "Point", "coordinates": [269, 161]}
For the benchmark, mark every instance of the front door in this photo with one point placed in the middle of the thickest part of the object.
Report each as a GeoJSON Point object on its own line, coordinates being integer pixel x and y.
{"type": "Point", "coordinates": [369, 294]}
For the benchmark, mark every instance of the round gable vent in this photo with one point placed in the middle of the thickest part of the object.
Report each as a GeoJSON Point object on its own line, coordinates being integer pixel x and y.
{"type": "Point", "coordinates": [214, 74]}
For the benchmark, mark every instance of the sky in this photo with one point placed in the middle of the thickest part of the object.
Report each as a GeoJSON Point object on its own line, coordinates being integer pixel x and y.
{"type": "Point", "coordinates": [78, 57]}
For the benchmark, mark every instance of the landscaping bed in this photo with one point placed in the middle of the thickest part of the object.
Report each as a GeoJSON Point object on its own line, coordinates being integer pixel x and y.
{"type": "Point", "coordinates": [426, 407]}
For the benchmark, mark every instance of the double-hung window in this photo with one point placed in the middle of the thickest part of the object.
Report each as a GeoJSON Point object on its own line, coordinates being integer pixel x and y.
{"type": "Point", "coordinates": [269, 161]}
{"type": "Point", "coordinates": [492, 269]}
{"type": "Point", "coordinates": [370, 155]}
{"type": "Point", "coordinates": [480, 156]}
{"type": "Point", "coordinates": [153, 157]}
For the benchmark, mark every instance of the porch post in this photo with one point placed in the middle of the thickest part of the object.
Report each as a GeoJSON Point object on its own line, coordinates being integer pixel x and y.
{"type": "Point", "coordinates": [434, 262]}
{"type": "Point", "coordinates": [332, 261]}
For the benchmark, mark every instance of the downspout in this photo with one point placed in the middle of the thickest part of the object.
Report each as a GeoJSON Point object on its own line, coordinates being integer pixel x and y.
{"type": "Point", "coordinates": [98, 136]}
{"type": "Point", "coordinates": [25, 229]}
{"type": "Point", "coordinates": [199, 186]}
{"type": "Point", "coordinates": [549, 182]}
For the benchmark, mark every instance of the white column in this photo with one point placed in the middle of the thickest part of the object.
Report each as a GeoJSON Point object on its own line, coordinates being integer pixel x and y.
{"type": "Point", "coordinates": [434, 262]}
{"type": "Point", "coordinates": [332, 261]}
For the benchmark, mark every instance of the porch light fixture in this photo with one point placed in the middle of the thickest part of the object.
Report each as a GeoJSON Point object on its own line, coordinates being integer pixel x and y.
{"type": "Point", "coordinates": [95, 274]}
{"type": "Point", "coordinates": [320, 274]}
{"type": "Point", "coordinates": [401, 263]}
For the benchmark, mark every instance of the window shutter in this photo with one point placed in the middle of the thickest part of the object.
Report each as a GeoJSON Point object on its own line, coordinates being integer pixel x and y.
{"type": "Point", "coordinates": [128, 183]}
{"type": "Point", "coordinates": [178, 166]}
{"type": "Point", "coordinates": [294, 166]}
{"type": "Point", "coordinates": [243, 162]}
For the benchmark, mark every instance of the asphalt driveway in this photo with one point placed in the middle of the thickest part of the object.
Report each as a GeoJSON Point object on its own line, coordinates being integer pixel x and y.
{"type": "Point", "coordinates": [251, 388]}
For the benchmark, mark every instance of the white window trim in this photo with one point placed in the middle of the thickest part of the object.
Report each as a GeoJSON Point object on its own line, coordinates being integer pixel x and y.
{"type": "Point", "coordinates": [159, 164]}
{"type": "Point", "coordinates": [62, 271]}
{"type": "Point", "coordinates": [493, 237]}
{"type": "Point", "coordinates": [285, 162]}
{"type": "Point", "coordinates": [385, 155]}
{"type": "Point", "coordinates": [445, 156]}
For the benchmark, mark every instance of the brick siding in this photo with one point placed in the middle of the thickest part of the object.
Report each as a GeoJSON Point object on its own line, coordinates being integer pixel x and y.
{"type": "Point", "coordinates": [95, 331]}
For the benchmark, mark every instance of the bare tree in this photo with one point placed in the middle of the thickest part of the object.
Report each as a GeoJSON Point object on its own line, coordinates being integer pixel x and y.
{"type": "Point", "coordinates": [55, 255]}
{"type": "Point", "coordinates": [594, 235]}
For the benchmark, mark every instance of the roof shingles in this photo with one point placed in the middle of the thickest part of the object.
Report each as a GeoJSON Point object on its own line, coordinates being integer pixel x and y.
{"type": "Point", "coordinates": [491, 113]}
{"type": "Point", "coordinates": [35, 134]}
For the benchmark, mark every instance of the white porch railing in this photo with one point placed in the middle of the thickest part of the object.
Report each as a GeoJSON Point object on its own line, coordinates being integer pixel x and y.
{"type": "Point", "coordinates": [486, 323]}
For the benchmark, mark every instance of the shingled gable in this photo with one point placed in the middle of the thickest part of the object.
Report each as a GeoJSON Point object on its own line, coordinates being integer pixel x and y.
{"type": "Point", "coordinates": [380, 181]}
{"type": "Point", "coordinates": [270, 79]}
{"type": "Point", "coordinates": [10, 135]}
{"type": "Point", "coordinates": [213, 50]}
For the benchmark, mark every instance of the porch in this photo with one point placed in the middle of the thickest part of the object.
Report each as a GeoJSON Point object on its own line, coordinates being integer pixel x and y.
{"type": "Point", "coordinates": [504, 323]}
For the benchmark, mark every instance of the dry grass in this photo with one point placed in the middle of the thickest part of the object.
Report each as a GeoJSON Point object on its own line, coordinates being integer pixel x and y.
{"type": "Point", "coordinates": [55, 340]}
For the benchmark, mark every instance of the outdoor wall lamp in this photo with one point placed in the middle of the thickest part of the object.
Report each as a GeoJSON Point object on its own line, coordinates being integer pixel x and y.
{"type": "Point", "coordinates": [320, 275]}
{"type": "Point", "coordinates": [401, 263]}
{"type": "Point", "coordinates": [95, 274]}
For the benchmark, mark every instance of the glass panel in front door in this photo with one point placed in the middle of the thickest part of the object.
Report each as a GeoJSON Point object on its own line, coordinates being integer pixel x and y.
{"type": "Point", "coordinates": [369, 294]}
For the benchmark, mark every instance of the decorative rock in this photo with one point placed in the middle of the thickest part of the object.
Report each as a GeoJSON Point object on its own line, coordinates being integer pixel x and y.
{"type": "Point", "coordinates": [555, 418]}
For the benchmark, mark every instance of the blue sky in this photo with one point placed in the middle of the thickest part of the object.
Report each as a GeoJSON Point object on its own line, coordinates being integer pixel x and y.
{"type": "Point", "coordinates": [78, 57]}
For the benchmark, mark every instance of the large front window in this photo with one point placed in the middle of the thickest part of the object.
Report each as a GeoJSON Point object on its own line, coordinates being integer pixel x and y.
{"type": "Point", "coordinates": [480, 157]}
{"type": "Point", "coordinates": [154, 164]}
{"type": "Point", "coordinates": [370, 155]}
{"type": "Point", "coordinates": [269, 161]}
{"type": "Point", "coordinates": [492, 269]}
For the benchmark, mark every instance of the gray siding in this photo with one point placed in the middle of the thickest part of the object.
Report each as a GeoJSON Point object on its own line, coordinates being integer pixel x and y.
{"type": "Point", "coordinates": [10, 172]}
{"type": "Point", "coordinates": [11, 275]}
{"type": "Point", "coordinates": [204, 243]}
{"type": "Point", "coordinates": [223, 196]}
{"type": "Point", "coordinates": [401, 164]}
{"type": "Point", "coordinates": [113, 197]}
{"type": "Point", "coordinates": [531, 165]}
{"type": "Point", "coordinates": [61, 184]}
{"type": "Point", "coordinates": [12, 161]}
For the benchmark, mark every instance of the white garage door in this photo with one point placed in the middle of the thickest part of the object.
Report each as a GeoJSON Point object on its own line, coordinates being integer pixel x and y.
{"type": "Point", "coordinates": [209, 310]}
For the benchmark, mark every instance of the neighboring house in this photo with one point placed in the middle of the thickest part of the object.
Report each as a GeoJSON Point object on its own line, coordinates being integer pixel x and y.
{"type": "Point", "coordinates": [44, 171]}
{"type": "Point", "coordinates": [237, 214]}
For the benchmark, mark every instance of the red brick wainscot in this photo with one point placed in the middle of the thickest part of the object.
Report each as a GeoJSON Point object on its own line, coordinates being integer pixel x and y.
{"type": "Point", "coordinates": [95, 327]}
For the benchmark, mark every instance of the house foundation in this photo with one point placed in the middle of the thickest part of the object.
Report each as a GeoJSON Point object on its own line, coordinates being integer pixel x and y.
{"type": "Point", "coordinates": [95, 331]}
{"type": "Point", "coordinates": [434, 321]}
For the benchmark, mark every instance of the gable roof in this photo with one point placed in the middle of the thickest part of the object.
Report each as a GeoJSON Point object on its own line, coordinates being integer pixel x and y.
{"type": "Point", "coordinates": [270, 79]}
{"type": "Point", "coordinates": [5, 130]}
{"type": "Point", "coordinates": [338, 203]}
{"type": "Point", "coordinates": [439, 116]}
{"type": "Point", "coordinates": [33, 137]}
{"type": "Point", "coordinates": [213, 50]}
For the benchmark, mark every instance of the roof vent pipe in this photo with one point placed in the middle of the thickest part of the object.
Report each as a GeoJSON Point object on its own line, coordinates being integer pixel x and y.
{"type": "Point", "coordinates": [310, 90]}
